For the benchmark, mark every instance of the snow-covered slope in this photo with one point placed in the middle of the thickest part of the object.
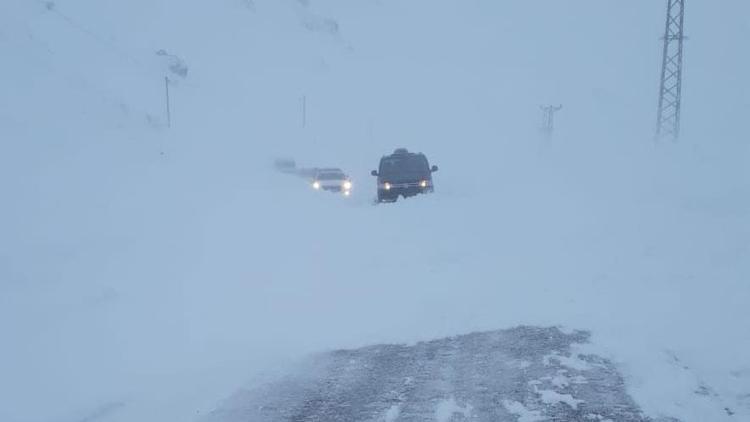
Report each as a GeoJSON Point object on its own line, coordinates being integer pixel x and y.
{"type": "Point", "coordinates": [146, 272]}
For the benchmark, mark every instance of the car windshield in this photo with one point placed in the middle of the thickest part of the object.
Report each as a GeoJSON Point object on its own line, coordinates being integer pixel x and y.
{"type": "Point", "coordinates": [331, 176]}
{"type": "Point", "coordinates": [403, 165]}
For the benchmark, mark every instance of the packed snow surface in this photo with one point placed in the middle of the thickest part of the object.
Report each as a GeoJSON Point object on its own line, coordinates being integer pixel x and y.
{"type": "Point", "coordinates": [464, 378]}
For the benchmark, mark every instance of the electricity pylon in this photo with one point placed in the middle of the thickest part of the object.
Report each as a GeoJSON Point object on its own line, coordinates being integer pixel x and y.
{"type": "Point", "coordinates": [670, 94]}
{"type": "Point", "coordinates": [548, 119]}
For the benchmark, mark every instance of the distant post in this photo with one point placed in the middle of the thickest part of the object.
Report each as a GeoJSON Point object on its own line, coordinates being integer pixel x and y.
{"type": "Point", "coordinates": [548, 119]}
{"type": "Point", "coordinates": [169, 111]}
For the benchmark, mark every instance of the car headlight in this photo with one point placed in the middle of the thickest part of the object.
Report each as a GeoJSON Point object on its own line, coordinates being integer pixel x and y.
{"type": "Point", "coordinates": [316, 185]}
{"type": "Point", "coordinates": [347, 185]}
{"type": "Point", "coordinates": [423, 183]}
{"type": "Point", "coordinates": [387, 186]}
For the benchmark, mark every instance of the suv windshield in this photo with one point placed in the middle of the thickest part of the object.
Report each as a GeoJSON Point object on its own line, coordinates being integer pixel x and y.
{"type": "Point", "coordinates": [404, 165]}
{"type": "Point", "coordinates": [331, 176]}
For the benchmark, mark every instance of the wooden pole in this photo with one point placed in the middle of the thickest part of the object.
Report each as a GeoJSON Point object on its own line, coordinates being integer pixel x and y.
{"type": "Point", "coordinates": [169, 112]}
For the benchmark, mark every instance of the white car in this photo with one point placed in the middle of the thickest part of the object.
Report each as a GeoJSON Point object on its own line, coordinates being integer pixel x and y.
{"type": "Point", "coordinates": [285, 165]}
{"type": "Point", "coordinates": [332, 180]}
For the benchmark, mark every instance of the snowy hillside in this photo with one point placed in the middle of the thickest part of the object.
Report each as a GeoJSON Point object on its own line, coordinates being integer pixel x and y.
{"type": "Point", "coordinates": [147, 272]}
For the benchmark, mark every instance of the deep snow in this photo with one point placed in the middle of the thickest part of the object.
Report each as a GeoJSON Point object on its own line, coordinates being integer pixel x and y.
{"type": "Point", "coordinates": [146, 273]}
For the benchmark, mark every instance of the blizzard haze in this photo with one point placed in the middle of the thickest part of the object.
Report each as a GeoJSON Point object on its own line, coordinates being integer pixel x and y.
{"type": "Point", "coordinates": [147, 272]}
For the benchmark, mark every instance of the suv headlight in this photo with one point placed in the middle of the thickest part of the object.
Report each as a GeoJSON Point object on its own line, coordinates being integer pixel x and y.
{"type": "Point", "coordinates": [423, 183]}
{"type": "Point", "coordinates": [347, 185]}
{"type": "Point", "coordinates": [316, 185]}
{"type": "Point", "coordinates": [387, 186]}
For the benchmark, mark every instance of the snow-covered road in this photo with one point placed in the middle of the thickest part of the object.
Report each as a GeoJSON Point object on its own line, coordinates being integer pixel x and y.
{"type": "Point", "coordinates": [524, 374]}
{"type": "Point", "coordinates": [146, 273]}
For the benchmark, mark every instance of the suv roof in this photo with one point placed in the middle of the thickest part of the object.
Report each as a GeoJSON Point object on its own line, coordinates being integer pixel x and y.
{"type": "Point", "coordinates": [402, 151]}
{"type": "Point", "coordinates": [330, 170]}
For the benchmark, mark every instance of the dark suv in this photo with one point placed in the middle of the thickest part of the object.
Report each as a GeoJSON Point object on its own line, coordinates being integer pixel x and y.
{"type": "Point", "coordinates": [403, 173]}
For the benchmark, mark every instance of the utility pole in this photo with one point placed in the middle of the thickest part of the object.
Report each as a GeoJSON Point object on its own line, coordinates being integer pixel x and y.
{"type": "Point", "coordinates": [670, 91]}
{"type": "Point", "coordinates": [169, 111]}
{"type": "Point", "coordinates": [548, 119]}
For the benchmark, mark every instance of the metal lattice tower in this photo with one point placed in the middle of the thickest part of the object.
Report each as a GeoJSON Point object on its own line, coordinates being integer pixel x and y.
{"type": "Point", "coordinates": [670, 95]}
{"type": "Point", "coordinates": [548, 119]}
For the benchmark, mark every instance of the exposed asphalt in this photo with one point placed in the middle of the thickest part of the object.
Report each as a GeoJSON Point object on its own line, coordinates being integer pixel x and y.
{"type": "Point", "coordinates": [524, 374]}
